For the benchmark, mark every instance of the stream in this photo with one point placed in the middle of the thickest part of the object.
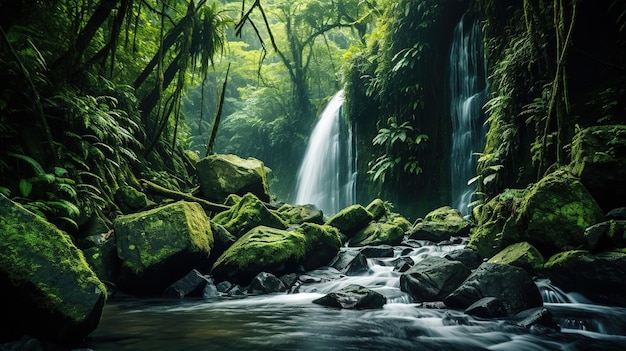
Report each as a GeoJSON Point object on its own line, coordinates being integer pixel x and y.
{"type": "Point", "coordinates": [292, 322]}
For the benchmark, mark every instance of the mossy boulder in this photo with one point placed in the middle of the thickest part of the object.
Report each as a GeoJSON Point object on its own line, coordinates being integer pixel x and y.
{"type": "Point", "coordinates": [159, 246]}
{"type": "Point", "coordinates": [221, 175]}
{"type": "Point", "coordinates": [599, 160]}
{"type": "Point", "coordinates": [398, 220]}
{"type": "Point", "coordinates": [130, 200]}
{"type": "Point", "coordinates": [441, 224]}
{"type": "Point", "coordinates": [377, 209]}
{"type": "Point", "coordinates": [377, 233]}
{"type": "Point", "coordinates": [513, 286]}
{"type": "Point", "coordinates": [48, 289]}
{"type": "Point", "coordinates": [486, 236]}
{"type": "Point", "coordinates": [433, 278]}
{"type": "Point", "coordinates": [248, 213]}
{"type": "Point", "coordinates": [300, 214]}
{"type": "Point", "coordinates": [599, 277]}
{"type": "Point", "coordinates": [554, 214]}
{"type": "Point", "coordinates": [277, 251]}
{"type": "Point", "coordinates": [350, 220]}
{"type": "Point", "coordinates": [522, 255]}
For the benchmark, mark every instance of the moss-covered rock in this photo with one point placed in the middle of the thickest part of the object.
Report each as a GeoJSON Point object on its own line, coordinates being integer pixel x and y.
{"type": "Point", "coordinates": [248, 213]}
{"type": "Point", "coordinates": [300, 214]}
{"type": "Point", "coordinates": [377, 233]}
{"type": "Point", "coordinates": [48, 289]}
{"type": "Point", "coordinates": [277, 251]}
{"type": "Point", "coordinates": [441, 224]}
{"type": "Point", "coordinates": [486, 237]}
{"type": "Point", "coordinates": [221, 175]}
{"type": "Point", "coordinates": [130, 200]}
{"type": "Point", "coordinates": [553, 215]}
{"type": "Point", "coordinates": [398, 220]}
{"type": "Point", "coordinates": [521, 255]}
{"type": "Point", "coordinates": [599, 277]}
{"type": "Point", "coordinates": [606, 235]}
{"type": "Point", "coordinates": [159, 246]}
{"type": "Point", "coordinates": [350, 220]}
{"type": "Point", "coordinates": [377, 209]}
{"type": "Point", "coordinates": [599, 160]}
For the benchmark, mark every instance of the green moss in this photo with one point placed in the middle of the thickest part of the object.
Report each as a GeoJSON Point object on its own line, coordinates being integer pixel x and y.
{"type": "Point", "coordinates": [350, 219]}
{"type": "Point", "coordinates": [568, 259]}
{"type": "Point", "coordinates": [521, 255]}
{"type": "Point", "coordinates": [378, 234]}
{"type": "Point", "coordinates": [33, 250]}
{"type": "Point", "coordinates": [248, 213]}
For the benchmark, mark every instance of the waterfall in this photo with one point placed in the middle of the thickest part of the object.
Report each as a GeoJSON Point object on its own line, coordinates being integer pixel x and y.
{"type": "Point", "coordinates": [327, 175]}
{"type": "Point", "coordinates": [467, 97]}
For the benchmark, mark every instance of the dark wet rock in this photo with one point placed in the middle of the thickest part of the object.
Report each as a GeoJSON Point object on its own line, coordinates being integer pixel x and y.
{"type": "Point", "coordinates": [191, 285]}
{"type": "Point", "coordinates": [221, 175]}
{"type": "Point", "coordinates": [353, 297]}
{"type": "Point", "coordinates": [350, 220]}
{"type": "Point", "coordinates": [224, 286]}
{"type": "Point", "coordinates": [470, 258]}
{"type": "Point", "coordinates": [103, 260]}
{"type": "Point", "coordinates": [320, 275]}
{"type": "Point", "coordinates": [210, 290]}
{"type": "Point", "coordinates": [343, 259]}
{"type": "Point", "coordinates": [236, 290]}
{"type": "Point", "coordinates": [599, 160]}
{"type": "Point", "coordinates": [617, 213]}
{"type": "Point", "coordinates": [599, 277]}
{"type": "Point", "coordinates": [25, 343]}
{"type": "Point", "coordinates": [130, 200]}
{"type": "Point", "coordinates": [289, 279]}
{"type": "Point", "coordinates": [300, 214]}
{"type": "Point", "coordinates": [402, 264]}
{"type": "Point", "coordinates": [433, 278]}
{"type": "Point", "coordinates": [487, 307]}
{"type": "Point", "coordinates": [277, 251]}
{"type": "Point", "coordinates": [358, 266]}
{"type": "Point", "coordinates": [512, 285]}
{"type": "Point", "coordinates": [441, 224]}
{"type": "Point", "coordinates": [159, 246]}
{"type": "Point", "coordinates": [247, 214]}
{"type": "Point", "coordinates": [222, 240]}
{"type": "Point", "coordinates": [606, 235]}
{"type": "Point", "coordinates": [521, 255]}
{"type": "Point", "coordinates": [377, 251]}
{"type": "Point", "coordinates": [533, 317]}
{"type": "Point", "coordinates": [377, 233]}
{"type": "Point", "coordinates": [266, 283]}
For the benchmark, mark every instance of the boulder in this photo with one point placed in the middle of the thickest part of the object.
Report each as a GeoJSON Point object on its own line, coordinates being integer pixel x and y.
{"type": "Point", "coordinates": [300, 214]}
{"type": "Point", "coordinates": [599, 277]}
{"type": "Point", "coordinates": [552, 216]}
{"type": "Point", "coordinates": [350, 262]}
{"type": "Point", "coordinates": [512, 285]}
{"type": "Point", "coordinates": [353, 297]}
{"type": "Point", "coordinates": [470, 258]}
{"type": "Point", "coordinates": [606, 235]}
{"type": "Point", "coordinates": [350, 220]}
{"type": "Point", "coordinates": [159, 246]}
{"type": "Point", "coordinates": [377, 251]}
{"type": "Point", "coordinates": [618, 213]}
{"type": "Point", "coordinates": [377, 209]}
{"type": "Point", "coordinates": [377, 233]}
{"type": "Point", "coordinates": [190, 285]}
{"type": "Point", "coordinates": [248, 213]}
{"type": "Point", "coordinates": [599, 160]}
{"type": "Point", "coordinates": [276, 251]}
{"type": "Point", "coordinates": [433, 278]}
{"type": "Point", "coordinates": [130, 200]}
{"type": "Point", "coordinates": [440, 224]}
{"type": "Point", "coordinates": [521, 255]}
{"type": "Point", "coordinates": [487, 307]}
{"type": "Point", "coordinates": [486, 237]}
{"type": "Point", "coordinates": [103, 260]}
{"type": "Point", "coordinates": [221, 175]}
{"type": "Point", "coordinates": [266, 283]}
{"type": "Point", "coordinates": [48, 290]}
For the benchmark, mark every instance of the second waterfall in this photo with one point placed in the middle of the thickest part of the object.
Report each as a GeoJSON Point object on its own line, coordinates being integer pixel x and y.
{"type": "Point", "coordinates": [327, 175]}
{"type": "Point", "coordinates": [467, 96]}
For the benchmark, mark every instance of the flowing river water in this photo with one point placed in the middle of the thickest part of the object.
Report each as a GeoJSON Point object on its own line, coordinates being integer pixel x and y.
{"type": "Point", "coordinates": [285, 321]}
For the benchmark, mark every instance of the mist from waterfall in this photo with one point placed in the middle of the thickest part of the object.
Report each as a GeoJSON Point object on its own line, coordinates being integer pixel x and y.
{"type": "Point", "coordinates": [467, 97]}
{"type": "Point", "coordinates": [327, 176]}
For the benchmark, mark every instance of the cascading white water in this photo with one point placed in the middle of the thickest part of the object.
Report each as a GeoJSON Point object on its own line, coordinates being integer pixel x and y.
{"type": "Point", "coordinates": [467, 97]}
{"type": "Point", "coordinates": [327, 175]}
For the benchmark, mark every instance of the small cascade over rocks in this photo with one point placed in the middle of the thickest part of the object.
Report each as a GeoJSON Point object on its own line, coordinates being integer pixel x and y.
{"type": "Point", "coordinates": [328, 172]}
{"type": "Point", "coordinates": [467, 97]}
